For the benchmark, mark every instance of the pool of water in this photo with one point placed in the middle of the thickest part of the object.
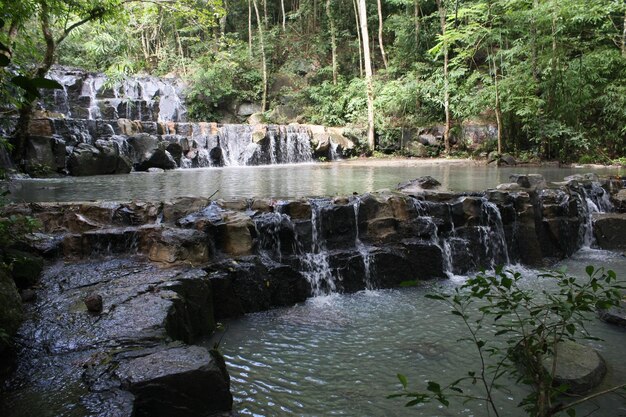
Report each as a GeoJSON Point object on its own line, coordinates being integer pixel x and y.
{"type": "Point", "coordinates": [277, 181]}
{"type": "Point", "coordinates": [339, 355]}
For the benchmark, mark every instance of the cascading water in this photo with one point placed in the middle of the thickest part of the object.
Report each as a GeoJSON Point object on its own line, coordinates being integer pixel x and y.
{"type": "Point", "coordinates": [363, 249]}
{"type": "Point", "coordinates": [595, 200]}
{"type": "Point", "coordinates": [442, 243]}
{"type": "Point", "coordinates": [495, 239]}
{"type": "Point", "coordinates": [316, 265]}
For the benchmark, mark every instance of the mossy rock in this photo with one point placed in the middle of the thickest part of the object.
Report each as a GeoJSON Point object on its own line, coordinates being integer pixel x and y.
{"type": "Point", "coordinates": [26, 268]}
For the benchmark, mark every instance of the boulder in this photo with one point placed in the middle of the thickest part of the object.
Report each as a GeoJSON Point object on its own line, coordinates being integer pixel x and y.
{"type": "Point", "coordinates": [182, 206]}
{"type": "Point", "coordinates": [283, 114]}
{"type": "Point", "coordinates": [248, 109]}
{"type": "Point", "coordinates": [418, 184]}
{"type": "Point", "coordinates": [619, 200]}
{"type": "Point", "coordinates": [45, 154]}
{"type": "Point", "coordinates": [184, 381]}
{"type": "Point", "coordinates": [609, 230]}
{"type": "Point", "coordinates": [416, 149]}
{"type": "Point", "coordinates": [578, 366]}
{"type": "Point", "coordinates": [142, 146]}
{"type": "Point", "coordinates": [25, 268]}
{"type": "Point", "coordinates": [160, 158]}
{"type": "Point", "coordinates": [256, 118]}
{"type": "Point", "coordinates": [528, 181]}
{"type": "Point", "coordinates": [429, 139]}
{"type": "Point", "coordinates": [93, 160]}
{"type": "Point", "coordinates": [234, 234]}
{"type": "Point", "coordinates": [615, 315]}
{"type": "Point", "coordinates": [178, 245]}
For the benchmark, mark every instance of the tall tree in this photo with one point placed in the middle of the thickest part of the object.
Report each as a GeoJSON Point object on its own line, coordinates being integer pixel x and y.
{"type": "Point", "coordinates": [263, 57]}
{"type": "Point", "coordinates": [57, 19]}
{"type": "Point", "coordinates": [380, 32]}
{"type": "Point", "coordinates": [368, 73]}
{"type": "Point", "coordinates": [333, 39]}
{"type": "Point", "coordinates": [441, 7]}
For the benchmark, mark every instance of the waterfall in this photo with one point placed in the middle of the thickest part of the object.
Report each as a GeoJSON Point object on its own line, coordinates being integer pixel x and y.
{"type": "Point", "coordinates": [362, 248]}
{"type": "Point", "coordinates": [90, 90]}
{"type": "Point", "coordinates": [316, 265]}
{"type": "Point", "coordinates": [594, 200]}
{"type": "Point", "coordinates": [442, 243]}
{"type": "Point", "coordinates": [494, 237]}
{"type": "Point", "coordinates": [269, 227]}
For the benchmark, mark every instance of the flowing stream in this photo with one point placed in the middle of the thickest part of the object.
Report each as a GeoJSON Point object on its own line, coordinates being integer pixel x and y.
{"type": "Point", "coordinates": [338, 355]}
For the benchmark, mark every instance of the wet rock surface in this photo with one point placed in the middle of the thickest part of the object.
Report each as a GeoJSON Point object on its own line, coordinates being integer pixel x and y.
{"type": "Point", "coordinates": [610, 230]}
{"type": "Point", "coordinates": [578, 366]}
{"type": "Point", "coordinates": [144, 309]}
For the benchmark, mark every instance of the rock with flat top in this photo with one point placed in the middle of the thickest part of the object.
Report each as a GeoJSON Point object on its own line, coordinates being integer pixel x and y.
{"type": "Point", "coordinates": [579, 367]}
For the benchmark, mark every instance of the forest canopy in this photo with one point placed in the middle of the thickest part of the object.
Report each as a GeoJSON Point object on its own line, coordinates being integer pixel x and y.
{"type": "Point", "coordinates": [551, 74]}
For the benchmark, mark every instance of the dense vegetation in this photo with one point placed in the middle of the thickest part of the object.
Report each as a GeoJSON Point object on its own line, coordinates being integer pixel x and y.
{"type": "Point", "coordinates": [550, 73]}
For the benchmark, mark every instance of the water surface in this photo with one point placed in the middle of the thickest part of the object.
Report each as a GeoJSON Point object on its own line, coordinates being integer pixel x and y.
{"type": "Point", "coordinates": [278, 181]}
{"type": "Point", "coordinates": [339, 355]}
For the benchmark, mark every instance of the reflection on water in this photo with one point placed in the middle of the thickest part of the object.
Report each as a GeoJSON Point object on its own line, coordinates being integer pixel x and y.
{"type": "Point", "coordinates": [275, 181]}
{"type": "Point", "coordinates": [339, 354]}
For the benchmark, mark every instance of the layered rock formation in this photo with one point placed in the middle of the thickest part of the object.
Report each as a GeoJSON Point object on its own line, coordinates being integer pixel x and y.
{"type": "Point", "coordinates": [165, 271]}
{"type": "Point", "coordinates": [95, 126]}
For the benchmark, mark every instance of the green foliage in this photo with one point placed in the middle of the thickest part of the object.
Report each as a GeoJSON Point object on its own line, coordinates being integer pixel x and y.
{"type": "Point", "coordinates": [514, 329]}
{"type": "Point", "coordinates": [218, 79]}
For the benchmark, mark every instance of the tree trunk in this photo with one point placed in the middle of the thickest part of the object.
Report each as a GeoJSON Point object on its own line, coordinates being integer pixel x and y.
{"type": "Point", "coordinates": [333, 40]}
{"type": "Point", "coordinates": [282, 9]}
{"type": "Point", "coordinates": [417, 23]}
{"type": "Point", "coordinates": [368, 74]}
{"type": "Point", "coordinates": [380, 33]}
{"type": "Point", "coordinates": [446, 81]}
{"type": "Point", "coordinates": [497, 103]}
{"type": "Point", "coordinates": [358, 36]}
{"type": "Point", "coordinates": [624, 38]}
{"type": "Point", "coordinates": [249, 27]}
{"type": "Point", "coordinates": [263, 61]}
{"type": "Point", "coordinates": [265, 14]}
{"type": "Point", "coordinates": [20, 136]}
{"type": "Point", "coordinates": [533, 42]}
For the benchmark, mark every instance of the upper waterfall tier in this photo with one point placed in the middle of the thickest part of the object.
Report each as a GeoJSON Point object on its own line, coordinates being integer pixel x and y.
{"type": "Point", "coordinates": [94, 96]}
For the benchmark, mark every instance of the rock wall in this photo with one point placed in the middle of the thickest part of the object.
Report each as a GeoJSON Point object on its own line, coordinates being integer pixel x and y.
{"type": "Point", "coordinates": [94, 126]}
{"type": "Point", "coordinates": [96, 147]}
{"type": "Point", "coordinates": [311, 246]}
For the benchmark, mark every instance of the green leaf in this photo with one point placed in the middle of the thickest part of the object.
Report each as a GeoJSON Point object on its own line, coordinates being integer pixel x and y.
{"type": "Point", "coordinates": [434, 387]}
{"type": "Point", "coordinates": [589, 270]}
{"type": "Point", "coordinates": [435, 296]}
{"type": "Point", "coordinates": [403, 380]}
{"type": "Point", "coordinates": [571, 412]}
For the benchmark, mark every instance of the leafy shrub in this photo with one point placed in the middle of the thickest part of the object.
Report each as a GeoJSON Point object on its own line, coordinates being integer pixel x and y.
{"type": "Point", "coordinates": [528, 326]}
{"type": "Point", "coordinates": [221, 78]}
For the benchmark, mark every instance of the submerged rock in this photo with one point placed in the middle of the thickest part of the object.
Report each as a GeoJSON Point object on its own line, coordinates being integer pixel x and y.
{"type": "Point", "coordinates": [579, 367]}
{"type": "Point", "coordinates": [615, 315]}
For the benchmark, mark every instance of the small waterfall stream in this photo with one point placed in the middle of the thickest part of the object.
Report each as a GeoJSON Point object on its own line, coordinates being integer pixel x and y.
{"type": "Point", "coordinates": [368, 263]}
{"type": "Point", "coordinates": [316, 265]}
